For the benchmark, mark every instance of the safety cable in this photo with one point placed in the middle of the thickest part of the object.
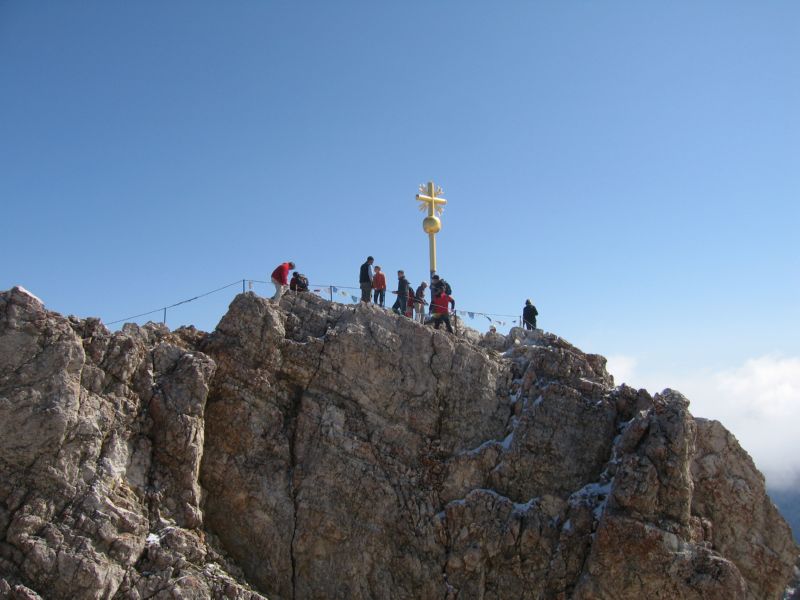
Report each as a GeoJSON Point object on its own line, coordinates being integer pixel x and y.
{"type": "Point", "coordinates": [318, 288]}
{"type": "Point", "coordinates": [225, 287]}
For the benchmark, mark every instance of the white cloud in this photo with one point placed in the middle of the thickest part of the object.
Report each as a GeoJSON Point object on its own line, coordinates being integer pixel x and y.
{"type": "Point", "coordinates": [758, 401]}
{"type": "Point", "coordinates": [622, 367]}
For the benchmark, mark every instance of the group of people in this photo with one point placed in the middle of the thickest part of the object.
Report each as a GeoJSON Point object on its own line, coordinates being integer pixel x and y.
{"type": "Point", "coordinates": [280, 279]}
{"type": "Point", "coordinates": [410, 303]}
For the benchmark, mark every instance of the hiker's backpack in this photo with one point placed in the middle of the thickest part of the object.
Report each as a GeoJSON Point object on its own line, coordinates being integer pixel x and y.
{"type": "Point", "coordinates": [445, 286]}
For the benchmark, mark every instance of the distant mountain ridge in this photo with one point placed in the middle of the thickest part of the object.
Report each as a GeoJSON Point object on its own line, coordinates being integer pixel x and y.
{"type": "Point", "coordinates": [313, 449]}
{"type": "Point", "coordinates": [788, 501]}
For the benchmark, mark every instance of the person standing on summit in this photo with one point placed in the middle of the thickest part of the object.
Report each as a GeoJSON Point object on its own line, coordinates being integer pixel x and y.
{"type": "Point", "coordinates": [399, 306]}
{"type": "Point", "coordinates": [440, 307]}
{"type": "Point", "coordinates": [529, 314]}
{"type": "Point", "coordinates": [379, 285]}
{"type": "Point", "coordinates": [419, 302]}
{"type": "Point", "coordinates": [439, 285]}
{"type": "Point", "coordinates": [365, 279]}
{"type": "Point", "coordinates": [280, 279]}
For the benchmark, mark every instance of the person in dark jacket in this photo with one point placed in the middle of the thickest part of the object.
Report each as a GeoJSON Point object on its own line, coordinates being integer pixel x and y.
{"type": "Point", "coordinates": [365, 279]}
{"type": "Point", "coordinates": [529, 315]}
{"type": "Point", "coordinates": [436, 285]}
{"type": "Point", "coordinates": [399, 305]}
{"type": "Point", "coordinates": [440, 307]}
{"type": "Point", "coordinates": [298, 282]}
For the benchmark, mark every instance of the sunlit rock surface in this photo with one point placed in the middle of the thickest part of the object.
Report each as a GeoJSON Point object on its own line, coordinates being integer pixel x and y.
{"type": "Point", "coordinates": [320, 450]}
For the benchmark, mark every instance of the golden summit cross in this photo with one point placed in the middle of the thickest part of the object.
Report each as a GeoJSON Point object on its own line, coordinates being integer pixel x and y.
{"type": "Point", "coordinates": [430, 199]}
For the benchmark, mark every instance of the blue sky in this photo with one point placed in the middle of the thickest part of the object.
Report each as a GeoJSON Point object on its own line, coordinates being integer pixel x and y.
{"type": "Point", "coordinates": [634, 168]}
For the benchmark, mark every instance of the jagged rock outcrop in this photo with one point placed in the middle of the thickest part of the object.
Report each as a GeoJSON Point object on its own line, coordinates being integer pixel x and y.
{"type": "Point", "coordinates": [101, 437]}
{"type": "Point", "coordinates": [317, 450]}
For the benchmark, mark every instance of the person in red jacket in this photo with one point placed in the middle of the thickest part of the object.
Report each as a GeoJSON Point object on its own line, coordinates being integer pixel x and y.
{"type": "Point", "coordinates": [379, 287]}
{"type": "Point", "coordinates": [280, 279]}
{"type": "Point", "coordinates": [441, 309]}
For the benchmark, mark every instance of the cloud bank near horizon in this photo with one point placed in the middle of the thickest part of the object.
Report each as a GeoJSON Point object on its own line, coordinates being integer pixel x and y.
{"type": "Point", "coordinates": [758, 401]}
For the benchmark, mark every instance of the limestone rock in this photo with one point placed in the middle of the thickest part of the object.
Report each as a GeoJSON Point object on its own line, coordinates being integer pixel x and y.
{"type": "Point", "coordinates": [101, 437]}
{"type": "Point", "coordinates": [729, 492]}
{"type": "Point", "coordinates": [318, 450]}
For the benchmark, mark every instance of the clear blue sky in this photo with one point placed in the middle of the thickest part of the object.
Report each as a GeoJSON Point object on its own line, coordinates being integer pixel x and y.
{"type": "Point", "coordinates": [634, 168]}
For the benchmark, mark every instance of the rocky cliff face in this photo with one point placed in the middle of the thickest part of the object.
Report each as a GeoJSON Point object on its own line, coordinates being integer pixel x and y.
{"type": "Point", "coordinates": [316, 450]}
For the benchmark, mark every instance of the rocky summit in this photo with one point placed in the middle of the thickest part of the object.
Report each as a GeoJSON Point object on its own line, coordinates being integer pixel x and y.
{"type": "Point", "coordinates": [318, 450]}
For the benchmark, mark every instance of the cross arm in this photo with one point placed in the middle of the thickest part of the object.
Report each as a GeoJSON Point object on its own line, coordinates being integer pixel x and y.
{"type": "Point", "coordinates": [433, 199]}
